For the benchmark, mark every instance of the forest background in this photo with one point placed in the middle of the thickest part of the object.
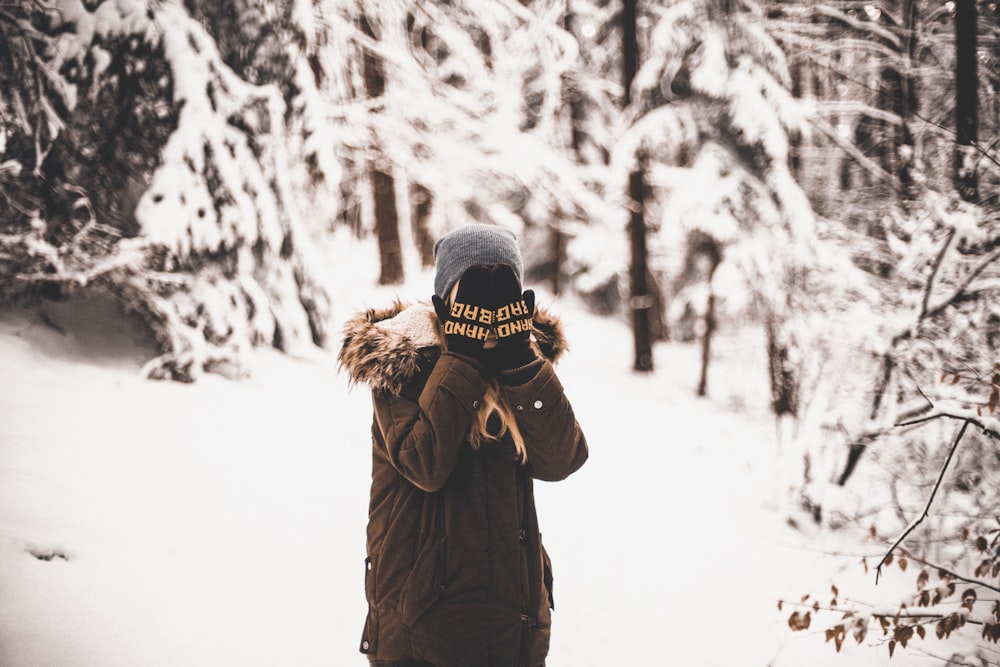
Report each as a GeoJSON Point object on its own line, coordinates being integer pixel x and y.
{"type": "Point", "coordinates": [823, 172]}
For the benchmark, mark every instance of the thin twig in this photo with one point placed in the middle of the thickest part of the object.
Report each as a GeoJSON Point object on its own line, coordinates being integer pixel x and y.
{"type": "Point", "coordinates": [953, 574]}
{"type": "Point", "coordinates": [938, 261]}
{"type": "Point", "coordinates": [965, 284]}
{"type": "Point", "coordinates": [988, 428]}
{"type": "Point", "coordinates": [927, 507]}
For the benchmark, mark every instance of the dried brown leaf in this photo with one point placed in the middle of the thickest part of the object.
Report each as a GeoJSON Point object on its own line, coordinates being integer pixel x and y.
{"type": "Point", "coordinates": [798, 621]}
{"type": "Point", "coordinates": [860, 630]}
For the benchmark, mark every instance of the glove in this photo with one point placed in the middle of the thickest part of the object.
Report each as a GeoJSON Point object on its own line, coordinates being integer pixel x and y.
{"type": "Point", "coordinates": [468, 321]}
{"type": "Point", "coordinates": [513, 312]}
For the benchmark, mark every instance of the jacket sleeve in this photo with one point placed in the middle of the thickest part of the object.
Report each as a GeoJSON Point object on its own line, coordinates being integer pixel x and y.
{"type": "Point", "coordinates": [421, 436]}
{"type": "Point", "coordinates": [552, 437]}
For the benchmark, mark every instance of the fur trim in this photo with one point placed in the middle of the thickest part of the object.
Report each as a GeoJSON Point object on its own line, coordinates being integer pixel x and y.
{"type": "Point", "coordinates": [383, 347]}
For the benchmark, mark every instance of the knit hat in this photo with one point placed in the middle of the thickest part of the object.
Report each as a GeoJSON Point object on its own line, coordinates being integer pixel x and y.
{"type": "Point", "coordinates": [473, 245]}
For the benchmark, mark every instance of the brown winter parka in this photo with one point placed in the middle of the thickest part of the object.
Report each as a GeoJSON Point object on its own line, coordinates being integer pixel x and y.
{"type": "Point", "coordinates": [456, 574]}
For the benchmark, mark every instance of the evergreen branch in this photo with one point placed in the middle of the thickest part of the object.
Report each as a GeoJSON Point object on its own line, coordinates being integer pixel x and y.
{"type": "Point", "coordinates": [927, 507]}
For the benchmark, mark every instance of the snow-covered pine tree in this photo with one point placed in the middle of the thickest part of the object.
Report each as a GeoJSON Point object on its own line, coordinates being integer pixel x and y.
{"type": "Point", "coordinates": [167, 174]}
{"type": "Point", "coordinates": [471, 119]}
{"type": "Point", "coordinates": [876, 75]}
{"type": "Point", "coordinates": [713, 114]}
{"type": "Point", "coordinates": [934, 262]}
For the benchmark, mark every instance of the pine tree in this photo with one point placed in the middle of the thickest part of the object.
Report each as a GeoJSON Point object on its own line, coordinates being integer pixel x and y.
{"type": "Point", "coordinates": [169, 183]}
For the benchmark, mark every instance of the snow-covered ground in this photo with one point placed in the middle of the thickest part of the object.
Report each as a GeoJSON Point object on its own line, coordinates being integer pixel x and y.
{"type": "Point", "coordinates": [222, 523]}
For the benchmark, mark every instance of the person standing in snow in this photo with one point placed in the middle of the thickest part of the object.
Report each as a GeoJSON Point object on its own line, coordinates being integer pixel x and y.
{"type": "Point", "coordinates": [468, 411]}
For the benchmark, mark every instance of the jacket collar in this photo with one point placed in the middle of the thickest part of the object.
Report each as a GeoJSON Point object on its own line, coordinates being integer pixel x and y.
{"type": "Point", "coordinates": [383, 347]}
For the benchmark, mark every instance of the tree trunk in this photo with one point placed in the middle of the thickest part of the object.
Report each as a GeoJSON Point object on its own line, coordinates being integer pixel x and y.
{"type": "Point", "coordinates": [706, 344]}
{"type": "Point", "coordinates": [784, 380]}
{"type": "Point", "coordinates": [422, 201]}
{"type": "Point", "coordinates": [557, 245]}
{"type": "Point", "coordinates": [640, 299]}
{"type": "Point", "coordinates": [714, 254]}
{"type": "Point", "coordinates": [387, 228]}
{"type": "Point", "coordinates": [966, 100]}
{"type": "Point", "coordinates": [630, 48]}
{"type": "Point", "coordinates": [383, 183]}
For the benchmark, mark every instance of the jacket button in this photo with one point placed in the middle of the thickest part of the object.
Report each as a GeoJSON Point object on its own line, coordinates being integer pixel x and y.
{"type": "Point", "coordinates": [365, 645]}
{"type": "Point", "coordinates": [520, 408]}
{"type": "Point", "coordinates": [538, 405]}
{"type": "Point", "coordinates": [475, 405]}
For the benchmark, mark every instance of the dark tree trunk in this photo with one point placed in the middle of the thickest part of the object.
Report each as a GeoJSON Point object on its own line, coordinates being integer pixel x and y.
{"type": "Point", "coordinates": [557, 246]}
{"type": "Point", "coordinates": [966, 99]}
{"type": "Point", "coordinates": [784, 380]}
{"type": "Point", "coordinates": [713, 252]}
{"type": "Point", "coordinates": [383, 183]}
{"type": "Point", "coordinates": [630, 48]}
{"type": "Point", "coordinates": [640, 300]}
{"type": "Point", "coordinates": [387, 228]}
{"type": "Point", "coordinates": [422, 200]}
{"type": "Point", "coordinates": [706, 344]}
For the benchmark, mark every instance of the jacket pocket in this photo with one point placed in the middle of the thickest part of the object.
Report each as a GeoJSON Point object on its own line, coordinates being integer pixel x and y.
{"type": "Point", "coordinates": [425, 582]}
{"type": "Point", "coordinates": [369, 635]}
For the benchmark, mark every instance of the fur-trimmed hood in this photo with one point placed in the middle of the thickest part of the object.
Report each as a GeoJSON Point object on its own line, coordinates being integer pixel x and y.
{"type": "Point", "coordinates": [383, 347]}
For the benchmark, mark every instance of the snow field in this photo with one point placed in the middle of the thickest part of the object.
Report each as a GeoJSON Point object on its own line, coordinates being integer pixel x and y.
{"type": "Point", "coordinates": [222, 523]}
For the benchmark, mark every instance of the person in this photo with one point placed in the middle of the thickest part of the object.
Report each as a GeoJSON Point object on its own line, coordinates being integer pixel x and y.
{"type": "Point", "coordinates": [468, 411]}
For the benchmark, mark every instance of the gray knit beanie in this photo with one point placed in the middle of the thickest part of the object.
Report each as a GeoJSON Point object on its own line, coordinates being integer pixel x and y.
{"type": "Point", "coordinates": [473, 245]}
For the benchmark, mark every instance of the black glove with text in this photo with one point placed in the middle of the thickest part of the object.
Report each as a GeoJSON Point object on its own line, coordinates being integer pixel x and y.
{"type": "Point", "coordinates": [468, 321]}
{"type": "Point", "coordinates": [513, 312]}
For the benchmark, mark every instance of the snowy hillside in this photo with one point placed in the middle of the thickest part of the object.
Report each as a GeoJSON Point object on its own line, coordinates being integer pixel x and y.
{"type": "Point", "coordinates": [222, 523]}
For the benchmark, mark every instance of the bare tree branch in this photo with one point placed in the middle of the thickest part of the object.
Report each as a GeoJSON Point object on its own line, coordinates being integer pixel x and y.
{"type": "Point", "coordinates": [916, 522]}
{"type": "Point", "coordinates": [954, 575]}
{"type": "Point", "coordinates": [990, 426]}
{"type": "Point", "coordinates": [938, 261]}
